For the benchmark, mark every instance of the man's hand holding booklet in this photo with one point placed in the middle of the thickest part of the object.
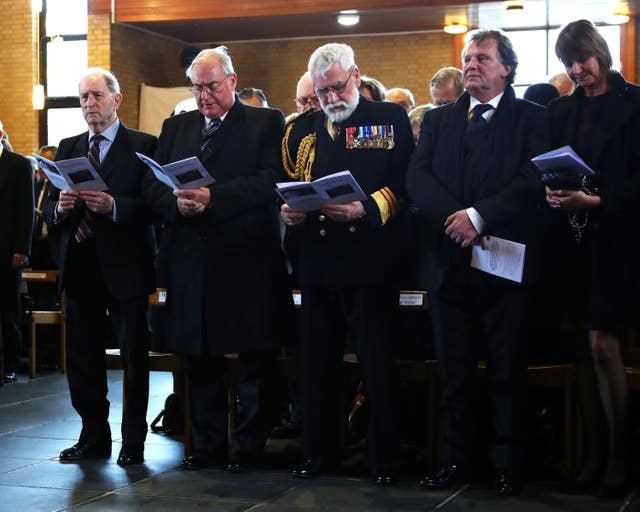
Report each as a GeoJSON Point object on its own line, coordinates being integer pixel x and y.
{"type": "Point", "coordinates": [339, 187]}
{"type": "Point", "coordinates": [71, 174]}
{"type": "Point", "coordinates": [562, 168]}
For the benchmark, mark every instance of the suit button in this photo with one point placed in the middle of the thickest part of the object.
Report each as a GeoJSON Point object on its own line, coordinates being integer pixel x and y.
{"type": "Point", "coordinates": [353, 229]}
{"type": "Point", "coordinates": [323, 232]}
{"type": "Point", "coordinates": [321, 218]}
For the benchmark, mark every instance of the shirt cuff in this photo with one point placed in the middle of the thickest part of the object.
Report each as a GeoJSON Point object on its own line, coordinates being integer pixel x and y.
{"type": "Point", "coordinates": [475, 219]}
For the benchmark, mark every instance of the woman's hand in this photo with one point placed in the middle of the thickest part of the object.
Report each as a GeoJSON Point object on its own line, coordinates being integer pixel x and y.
{"type": "Point", "coordinates": [571, 199]}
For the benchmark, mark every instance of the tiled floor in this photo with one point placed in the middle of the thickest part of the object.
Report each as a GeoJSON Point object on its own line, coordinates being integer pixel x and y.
{"type": "Point", "coordinates": [37, 421]}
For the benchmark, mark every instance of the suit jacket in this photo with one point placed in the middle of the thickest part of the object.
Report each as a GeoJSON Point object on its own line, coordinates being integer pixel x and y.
{"type": "Point", "coordinates": [506, 188]}
{"type": "Point", "coordinates": [225, 265]}
{"type": "Point", "coordinates": [367, 251]}
{"type": "Point", "coordinates": [16, 206]}
{"type": "Point", "coordinates": [126, 247]}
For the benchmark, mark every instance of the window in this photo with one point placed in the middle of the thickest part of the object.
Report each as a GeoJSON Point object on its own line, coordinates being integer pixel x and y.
{"type": "Point", "coordinates": [64, 57]}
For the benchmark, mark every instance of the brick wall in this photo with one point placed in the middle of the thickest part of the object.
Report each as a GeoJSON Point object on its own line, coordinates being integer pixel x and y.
{"type": "Point", "coordinates": [139, 56]}
{"type": "Point", "coordinates": [17, 75]}
{"type": "Point", "coordinates": [396, 60]}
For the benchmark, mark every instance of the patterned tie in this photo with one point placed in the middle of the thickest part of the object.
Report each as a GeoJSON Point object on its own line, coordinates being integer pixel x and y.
{"type": "Point", "coordinates": [477, 119]}
{"type": "Point", "coordinates": [85, 229]}
{"type": "Point", "coordinates": [208, 131]}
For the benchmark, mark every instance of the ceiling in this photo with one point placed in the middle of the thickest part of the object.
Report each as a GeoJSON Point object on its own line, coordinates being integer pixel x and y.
{"type": "Point", "coordinates": [536, 13]}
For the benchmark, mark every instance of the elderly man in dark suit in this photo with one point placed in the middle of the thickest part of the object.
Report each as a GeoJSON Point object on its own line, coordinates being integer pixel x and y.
{"type": "Point", "coordinates": [222, 262]}
{"type": "Point", "coordinates": [16, 212]}
{"type": "Point", "coordinates": [471, 178]}
{"type": "Point", "coordinates": [348, 255]}
{"type": "Point", "coordinates": [106, 263]}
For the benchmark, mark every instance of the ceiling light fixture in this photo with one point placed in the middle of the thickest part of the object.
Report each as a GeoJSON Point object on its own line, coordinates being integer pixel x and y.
{"type": "Point", "coordinates": [515, 6]}
{"type": "Point", "coordinates": [616, 18]}
{"type": "Point", "coordinates": [455, 28]}
{"type": "Point", "coordinates": [348, 18]}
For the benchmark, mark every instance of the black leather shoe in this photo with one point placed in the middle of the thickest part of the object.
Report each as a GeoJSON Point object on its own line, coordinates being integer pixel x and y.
{"type": "Point", "coordinates": [195, 461]}
{"type": "Point", "coordinates": [310, 468]}
{"type": "Point", "coordinates": [446, 477]}
{"type": "Point", "coordinates": [130, 457]}
{"type": "Point", "coordinates": [383, 475]}
{"type": "Point", "coordinates": [509, 483]}
{"type": "Point", "coordinates": [9, 377]}
{"type": "Point", "coordinates": [83, 451]}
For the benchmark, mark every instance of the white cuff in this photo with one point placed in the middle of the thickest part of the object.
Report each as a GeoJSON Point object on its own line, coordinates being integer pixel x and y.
{"type": "Point", "coordinates": [475, 219]}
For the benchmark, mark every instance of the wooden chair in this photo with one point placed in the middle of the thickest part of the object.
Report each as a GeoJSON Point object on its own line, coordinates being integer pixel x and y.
{"type": "Point", "coordinates": [35, 318]}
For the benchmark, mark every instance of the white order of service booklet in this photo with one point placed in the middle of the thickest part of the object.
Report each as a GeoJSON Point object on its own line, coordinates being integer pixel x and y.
{"type": "Point", "coordinates": [72, 174]}
{"type": "Point", "coordinates": [186, 173]}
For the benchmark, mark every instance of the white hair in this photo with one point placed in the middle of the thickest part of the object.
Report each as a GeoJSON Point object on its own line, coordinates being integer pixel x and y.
{"type": "Point", "coordinates": [220, 53]}
{"type": "Point", "coordinates": [109, 78]}
{"type": "Point", "coordinates": [324, 57]}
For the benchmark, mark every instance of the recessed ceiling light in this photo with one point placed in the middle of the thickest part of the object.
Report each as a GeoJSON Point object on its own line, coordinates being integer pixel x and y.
{"type": "Point", "coordinates": [616, 18]}
{"type": "Point", "coordinates": [455, 28]}
{"type": "Point", "coordinates": [348, 18]}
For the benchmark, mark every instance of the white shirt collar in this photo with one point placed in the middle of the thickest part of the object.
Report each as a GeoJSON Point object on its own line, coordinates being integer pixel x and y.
{"type": "Point", "coordinates": [110, 132]}
{"type": "Point", "coordinates": [493, 102]}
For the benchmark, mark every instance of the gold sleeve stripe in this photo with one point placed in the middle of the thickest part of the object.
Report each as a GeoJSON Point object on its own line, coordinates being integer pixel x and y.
{"type": "Point", "coordinates": [387, 203]}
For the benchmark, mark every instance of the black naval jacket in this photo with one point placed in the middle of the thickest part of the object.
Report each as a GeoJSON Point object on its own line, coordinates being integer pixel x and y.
{"type": "Point", "coordinates": [367, 251]}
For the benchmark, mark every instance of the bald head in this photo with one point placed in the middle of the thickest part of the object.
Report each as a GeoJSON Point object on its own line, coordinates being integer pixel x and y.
{"type": "Point", "coordinates": [402, 97]}
{"type": "Point", "coordinates": [305, 95]}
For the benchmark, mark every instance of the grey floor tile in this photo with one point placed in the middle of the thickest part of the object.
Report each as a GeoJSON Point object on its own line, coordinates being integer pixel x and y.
{"type": "Point", "coordinates": [31, 448]}
{"type": "Point", "coordinates": [41, 500]}
{"type": "Point", "coordinates": [215, 483]}
{"type": "Point", "coordinates": [86, 476]}
{"type": "Point", "coordinates": [123, 502]}
{"type": "Point", "coordinates": [10, 464]}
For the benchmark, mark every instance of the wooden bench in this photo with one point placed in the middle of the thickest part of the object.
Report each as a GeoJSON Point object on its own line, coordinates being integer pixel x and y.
{"type": "Point", "coordinates": [35, 318]}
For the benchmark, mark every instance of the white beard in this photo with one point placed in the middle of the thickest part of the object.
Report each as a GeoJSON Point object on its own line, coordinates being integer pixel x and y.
{"type": "Point", "coordinates": [341, 110]}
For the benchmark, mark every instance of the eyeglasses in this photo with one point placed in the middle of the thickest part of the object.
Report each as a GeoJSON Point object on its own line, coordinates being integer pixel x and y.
{"type": "Point", "coordinates": [210, 87]}
{"type": "Point", "coordinates": [336, 88]}
{"type": "Point", "coordinates": [303, 101]}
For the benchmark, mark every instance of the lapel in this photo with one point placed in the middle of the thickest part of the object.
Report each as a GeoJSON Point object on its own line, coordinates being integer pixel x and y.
{"type": "Point", "coordinates": [235, 115]}
{"type": "Point", "coordinates": [118, 155]}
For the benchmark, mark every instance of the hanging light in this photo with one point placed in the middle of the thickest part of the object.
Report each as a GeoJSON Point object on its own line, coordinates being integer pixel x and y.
{"type": "Point", "coordinates": [348, 18]}
{"type": "Point", "coordinates": [616, 18]}
{"type": "Point", "coordinates": [455, 28]}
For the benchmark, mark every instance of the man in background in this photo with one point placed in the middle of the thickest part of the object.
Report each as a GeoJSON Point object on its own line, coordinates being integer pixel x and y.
{"type": "Point", "coordinates": [16, 212]}
{"type": "Point", "coordinates": [446, 86]}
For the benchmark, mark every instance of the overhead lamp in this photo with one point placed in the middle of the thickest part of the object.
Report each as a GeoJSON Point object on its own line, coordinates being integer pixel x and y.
{"type": "Point", "coordinates": [616, 18]}
{"type": "Point", "coordinates": [348, 18]}
{"type": "Point", "coordinates": [455, 28]}
{"type": "Point", "coordinates": [515, 6]}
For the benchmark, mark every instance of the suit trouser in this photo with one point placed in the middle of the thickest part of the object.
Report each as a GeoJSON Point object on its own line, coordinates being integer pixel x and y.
{"type": "Point", "coordinates": [209, 397]}
{"type": "Point", "coordinates": [10, 337]}
{"type": "Point", "coordinates": [327, 315]}
{"type": "Point", "coordinates": [470, 309]}
{"type": "Point", "coordinates": [86, 304]}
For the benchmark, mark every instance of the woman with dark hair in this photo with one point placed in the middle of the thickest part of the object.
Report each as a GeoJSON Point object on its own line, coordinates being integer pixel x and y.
{"type": "Point", "coordinates": [372, 89]}
{"type": "Point", "coordinates": [601, 121]}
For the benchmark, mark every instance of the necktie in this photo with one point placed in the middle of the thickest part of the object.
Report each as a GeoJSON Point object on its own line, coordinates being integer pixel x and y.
{"type": "Point", "coordinates": [208, 131]}
{"type": "Point", "coordinates": [477, 119]}
{"type": "Point", "coordinates": [85, 227]}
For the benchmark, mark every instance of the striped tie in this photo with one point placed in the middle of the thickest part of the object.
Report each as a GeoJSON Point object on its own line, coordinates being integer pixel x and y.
{"type": "Point", "coordinates": [84, 229]}
{"type": "Point", "coordinates": [208, 131]}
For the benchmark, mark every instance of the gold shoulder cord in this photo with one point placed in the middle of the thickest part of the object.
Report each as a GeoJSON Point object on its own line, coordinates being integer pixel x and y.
{"type": "Point", "coordinates": [301, 170]}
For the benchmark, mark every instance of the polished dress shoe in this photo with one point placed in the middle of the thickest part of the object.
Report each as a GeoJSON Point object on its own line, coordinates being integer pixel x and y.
{"type": "Point", "coordinates": [130, 456]}
{"type": "Point", "coordinates": [195, 461]}
{"type": "Point", "coordinates": [383, 475]}
{"type": "Point", "coordinates": [83, 451]}
{"type": "Point", "coordinates": [9, 377]}
{"type": "Point", "coordinates": [310, 468]}
{"type": "Point", "coordinates": [446, 477]}
{"type": "Point", "coordinates": [509, 483]}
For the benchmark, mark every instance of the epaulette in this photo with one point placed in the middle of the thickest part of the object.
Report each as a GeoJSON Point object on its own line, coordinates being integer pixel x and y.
{"type": "Point", "coordinates": [299, 170]}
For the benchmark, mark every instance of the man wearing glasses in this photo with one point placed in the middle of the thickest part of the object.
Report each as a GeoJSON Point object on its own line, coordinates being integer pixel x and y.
{"type": "Point", "coordinates": [305, 95]}
{"type": "Point", "coordinates": [221, 260]}
{"type": "Point", "coordinates": [347, 255]}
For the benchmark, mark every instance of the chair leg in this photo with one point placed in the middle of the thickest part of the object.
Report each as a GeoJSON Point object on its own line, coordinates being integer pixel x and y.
{"type": "Point", "coordinates": [63, 345]}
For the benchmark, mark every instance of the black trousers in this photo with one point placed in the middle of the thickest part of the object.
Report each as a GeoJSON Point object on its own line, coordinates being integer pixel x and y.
{"type": "Point", "coordinates": [209, 395]}
{"type": "Point", "coordinates": [10, 337]}
{"type": "Point", "coordinates": [469, 310]}
{"type": "Point", "coordinates": [86, 304]}
{"type": "Point", "coordinates": [327, 316]}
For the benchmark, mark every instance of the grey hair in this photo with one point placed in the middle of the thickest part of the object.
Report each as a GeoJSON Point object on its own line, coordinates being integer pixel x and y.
{"type": "Point", "coordinates": [322, 59]}
{"type": "Point", "coordinates": [109, 78]}
{"type": "Point", "coordinates": [220, 53]}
